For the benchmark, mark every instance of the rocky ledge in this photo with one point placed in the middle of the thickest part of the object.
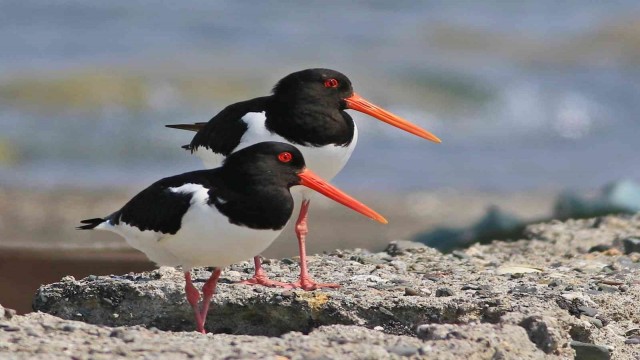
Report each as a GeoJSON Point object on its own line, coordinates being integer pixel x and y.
{"type": "Point", "coordinates": [571, 289]}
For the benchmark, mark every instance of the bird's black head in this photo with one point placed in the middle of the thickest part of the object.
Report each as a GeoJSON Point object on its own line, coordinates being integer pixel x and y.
{"type": "Point", "coordinates": [267, 170]}
{"type": "Point", "coordinates": [321, 86]}
{"type": "Point", "coordinates": [267, 163]}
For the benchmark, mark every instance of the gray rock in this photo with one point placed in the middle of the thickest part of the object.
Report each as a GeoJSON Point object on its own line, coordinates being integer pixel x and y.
{"type": "Point", "coordinates": [631, 245]}
{"type": "Point", "coordinates": [586, 351]}
{"type": "Point", "coordinates": [633, 340]}
{"type": "Point", "coordinates": [403, 350]}
{"type": "Point", "coordinates": [587, 311]}
{"type": "Point", "coordinates": [6, 313]}
{"type": "Point", "coordinates": [596, 322]}
{"type": "Point", "coordinates": [443, 292]}
{"type": "Point", "coordinates": [401, 247]}
{"type": "Point", "coordinates": [543, 332]}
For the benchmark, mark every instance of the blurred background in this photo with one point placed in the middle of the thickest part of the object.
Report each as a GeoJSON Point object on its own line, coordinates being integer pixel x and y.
{"type": "Point", "coordinates": [536, 103]}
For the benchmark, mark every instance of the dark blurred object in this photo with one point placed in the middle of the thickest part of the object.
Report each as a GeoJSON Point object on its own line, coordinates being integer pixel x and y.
{"type": "Point", "coordinates": [496, 224]}
{"type": "Point", "coordinates": [619, 197]}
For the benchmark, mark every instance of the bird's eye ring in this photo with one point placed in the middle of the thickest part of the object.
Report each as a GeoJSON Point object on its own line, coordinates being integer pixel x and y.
{"type": "Point", "coordinates": [331, 83]}
{"type": "Point", "coordinates": [285, 157]}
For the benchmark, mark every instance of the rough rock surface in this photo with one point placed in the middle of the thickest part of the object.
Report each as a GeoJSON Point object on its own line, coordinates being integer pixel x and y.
{"type": "Point", "coordinates": [545, 297]}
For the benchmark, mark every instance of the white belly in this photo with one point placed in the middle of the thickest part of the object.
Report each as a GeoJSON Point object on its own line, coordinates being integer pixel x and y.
{"type": "Point", "coordinates": [205, 238]}
{"type": "Point", "coordinates": [326, 161]}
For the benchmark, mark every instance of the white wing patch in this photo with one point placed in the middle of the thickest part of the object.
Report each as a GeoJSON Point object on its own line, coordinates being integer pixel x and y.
{"type": "Point", "coordinates": [200, 194]}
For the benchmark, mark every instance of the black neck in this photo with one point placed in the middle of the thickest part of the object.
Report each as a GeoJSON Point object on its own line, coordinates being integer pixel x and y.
{"type": "Point", "coordinates": [310, 123]}
{"type": "Point", "coordinates": [266, 206]}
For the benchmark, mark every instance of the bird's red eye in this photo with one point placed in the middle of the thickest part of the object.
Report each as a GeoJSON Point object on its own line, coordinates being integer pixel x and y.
{"type": "Point", "coordinates": [285, 157]}
{"type": "Point", "coordinates": [331, 83]}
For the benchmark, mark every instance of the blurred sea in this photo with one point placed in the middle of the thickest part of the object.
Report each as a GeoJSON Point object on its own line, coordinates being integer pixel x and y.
{"type": "Point", "coordinates": [525, 95]}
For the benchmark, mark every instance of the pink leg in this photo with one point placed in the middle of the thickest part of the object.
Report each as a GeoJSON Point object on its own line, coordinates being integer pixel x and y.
{"type": "Point", "coordinates": [193, 295]}
{"type": "Point", "coordinates": [260, 277]}
{"type": "Point", "coordinates": [305, 282]}
{"type": "Point", "coordinates": [208, 290]}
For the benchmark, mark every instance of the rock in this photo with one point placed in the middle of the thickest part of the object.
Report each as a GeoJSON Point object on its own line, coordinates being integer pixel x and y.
{"type": "Point", "coordinates": [403, 350]}
{"type": "Point", "coordinates": [586, 351]}
{"type": "Point", "coordinates": [600, 248]}
{"type": "Point", "coordinates": [473, 312]}
{"type": "Point", "coordinates": [441, 292]}
{"type": "Point", "coordinates": [631, 245]}
{"type": "Point", "coordinates": [401, 247]}
{"type": "Point", "coordinates": [596, 322]}
{"type": "Point", "coordinates": [6, 313]}
{"type": "Point", "coordinates": [460, 254]}
{"type": "Point", "coordinates": [543, 332]}
{"type": "Point", "coordinates": [588, 311]}
{"type": "Point", "coordinates": [411, 292]}
{"type": "Point", "coordinates": [633, 340]}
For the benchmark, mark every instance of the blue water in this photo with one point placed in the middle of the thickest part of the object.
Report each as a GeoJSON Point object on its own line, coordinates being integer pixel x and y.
{"type": "Point", "coordinates": [513, 112]}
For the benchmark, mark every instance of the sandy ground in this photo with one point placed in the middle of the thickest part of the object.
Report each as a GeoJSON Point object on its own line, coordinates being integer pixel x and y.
{"type": "Point", "coordinates": [39, 243]}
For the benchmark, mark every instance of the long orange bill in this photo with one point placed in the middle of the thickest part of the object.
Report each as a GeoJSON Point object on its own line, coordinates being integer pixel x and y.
{"type": "Point", "coordinates": [358, 103]}
{"type": "Point", "coordinates": [313, 181]}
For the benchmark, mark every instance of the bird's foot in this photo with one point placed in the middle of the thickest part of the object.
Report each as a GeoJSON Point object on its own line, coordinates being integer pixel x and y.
{"type": "Point", "coordinates": [265, 281]}
{"type": "Point", "coordinates": [307, 284]}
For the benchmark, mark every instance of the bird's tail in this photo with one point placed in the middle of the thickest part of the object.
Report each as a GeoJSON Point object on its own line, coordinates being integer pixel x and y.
{"type": "Point", "coordinates": [90, 223]}
{"type": "Point", "coordinates": [189, 127]}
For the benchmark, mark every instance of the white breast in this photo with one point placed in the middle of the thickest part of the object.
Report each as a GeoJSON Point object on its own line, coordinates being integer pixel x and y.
{"type": "Point", "coordinates": [326, 161]}
{"type": "Point", "coordinates": [205, 238]}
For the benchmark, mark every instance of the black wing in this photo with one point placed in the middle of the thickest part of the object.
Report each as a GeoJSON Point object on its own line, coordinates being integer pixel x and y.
{"type": "Point", "coordinates": [157, 208]}
{"type": "Point", "coordinates": [224, 131]}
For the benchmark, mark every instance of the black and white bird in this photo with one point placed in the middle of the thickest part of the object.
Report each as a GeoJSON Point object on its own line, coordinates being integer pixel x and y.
{"type": "Point", "coordinates": [306, 110]}
{"type": "Point", "coordinates": [220, 216]}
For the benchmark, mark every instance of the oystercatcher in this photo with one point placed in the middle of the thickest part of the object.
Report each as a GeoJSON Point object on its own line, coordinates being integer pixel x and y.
{"type": "Point", "coordinates": [220, 216]}
{"type": "Point", "coordinates": [306, 110]}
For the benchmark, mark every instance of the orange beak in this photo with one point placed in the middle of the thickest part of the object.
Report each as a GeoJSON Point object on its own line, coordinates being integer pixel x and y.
{"type": "Point", "coordinates": [313, 181]}
{"type": "Point", "coordinates": [358, 103]}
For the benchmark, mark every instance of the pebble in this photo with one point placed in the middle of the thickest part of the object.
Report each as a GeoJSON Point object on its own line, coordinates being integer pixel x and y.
{"type": "Point", "coordinates": [401, 247]}
{"type": "Point", "coordinates": [555, 283]}
{"type": "Point", "coordinates": [470, 287]}
{"type": "Point", "coordinates": [631, 245]}
{"type": "Point", "coordinates": [444, 292]}
{"type": "Point", "coordinates": [587, 351]}
{"type": "Point", "coordinates": [460, 255]}
{"type": "Point", "coordinates": [608, 288]}
{"type": "Point", "coordinates": [403, 350]}
{"type": "Point", "coordinates": [633, 340]}
{"type": "Point", "coordinates": [411, 292]}
{"type": "Point", "coordinates": [588, 311]}
{"type": "Point", "coordinates": [523, 289]}
{"type": "Point", "coordinates": [431, 332]}
{"type": "Point", "coordinates": [599, 248]}
{"type": "Point", "coordinates": [596, 322]}
{"type": "Point", "coordinates": [69, 327]}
